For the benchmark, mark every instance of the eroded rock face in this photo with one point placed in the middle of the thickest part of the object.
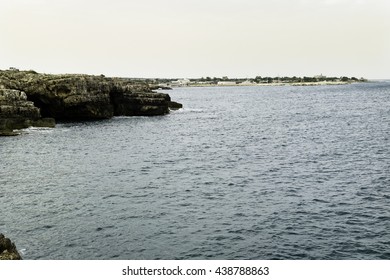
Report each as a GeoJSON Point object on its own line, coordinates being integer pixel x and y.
{"type": "Point", "coordinates": [175, 105]}
{"type": "Point", "coordinates": [8, 249]}
{"type": "Point", "coordinates": [76, 97]}
{"type": "Point", "coordinates": [17, 112]}
{"type": "Point", "coordinates": [128, 103]}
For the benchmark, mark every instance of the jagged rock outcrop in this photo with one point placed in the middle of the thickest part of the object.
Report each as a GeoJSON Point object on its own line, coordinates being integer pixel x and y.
{"type": "Point", "coordinates": [175, 105]}
{"type": "Point", "coordinates": [17, 112]}
{"type": "Point", "coordinates": [137, 100]}
{"type": "Point", "coordinates": [83, 97]}
{"type": "Point", "coordinates": [8, 249]}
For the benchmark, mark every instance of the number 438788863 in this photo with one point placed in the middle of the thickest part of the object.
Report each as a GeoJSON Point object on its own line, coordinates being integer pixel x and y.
{"type": "Point", "coordinates": [237, 270]}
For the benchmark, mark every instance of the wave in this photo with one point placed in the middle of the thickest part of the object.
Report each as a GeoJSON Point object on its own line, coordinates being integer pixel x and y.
{"type": "Point", "coordinates": [33, 129]}
{"type": "Point", "coordinates": [188, 110]}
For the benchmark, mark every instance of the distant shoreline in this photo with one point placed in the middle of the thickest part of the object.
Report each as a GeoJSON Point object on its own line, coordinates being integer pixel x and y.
{"type": "Point", "coordinates": [169, 87]}
{"type": "Point", "coordinates": [258, 81]}
{"type": "Point", "coordinates": [271, 84]}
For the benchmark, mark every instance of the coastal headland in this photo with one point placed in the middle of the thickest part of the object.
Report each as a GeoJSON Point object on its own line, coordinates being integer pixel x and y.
{"type": "Point", "coordinates": [28, 98]}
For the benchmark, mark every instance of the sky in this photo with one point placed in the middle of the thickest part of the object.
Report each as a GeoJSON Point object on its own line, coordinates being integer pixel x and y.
{"type": "Point", "coordinates": [197, 38]}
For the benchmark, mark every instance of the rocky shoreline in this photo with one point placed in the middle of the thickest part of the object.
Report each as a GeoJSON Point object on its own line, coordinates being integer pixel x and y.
{"type": "Point", "coordinates": [29, 99]}
{"type": "Point", "coordinates": [8, 249]}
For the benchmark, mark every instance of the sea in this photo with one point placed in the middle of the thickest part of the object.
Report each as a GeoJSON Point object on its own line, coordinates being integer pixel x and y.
{"type": "Point", "coordinates": [257, 172]}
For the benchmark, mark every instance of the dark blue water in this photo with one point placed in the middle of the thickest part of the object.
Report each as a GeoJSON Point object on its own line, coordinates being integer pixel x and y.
{"type": "Point", "coordinates": [239, 173]}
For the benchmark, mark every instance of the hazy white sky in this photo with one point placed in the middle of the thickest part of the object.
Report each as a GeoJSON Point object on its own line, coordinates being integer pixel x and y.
{"type": "Point", "coordinates": [195, 38]}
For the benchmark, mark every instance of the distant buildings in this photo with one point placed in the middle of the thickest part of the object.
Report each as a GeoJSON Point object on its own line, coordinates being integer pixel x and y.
{"type": "Point", "coordinates": [180, 83]}
{"type": "Point", "coordinates": [226, 83]}
{"type": "Point", "coordinates": [320, 77]}
{"type": "Point", "coordinates": [247, 83]}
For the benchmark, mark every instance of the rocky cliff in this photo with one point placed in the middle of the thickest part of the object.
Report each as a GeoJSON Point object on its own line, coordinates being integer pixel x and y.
{"type": "Point", "coordinates": [8, 249]}
{"type": "Point", "coordinates": [17, 112]}
{"type": "Point", "coordinates": [27, 97]}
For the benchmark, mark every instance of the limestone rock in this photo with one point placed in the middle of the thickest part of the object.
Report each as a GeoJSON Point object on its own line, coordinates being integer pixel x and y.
{"type": "Point", "coordinates": [16, 112]}
{"type": "Point", "coordinates": [28, 98]}
{"type": "Point", "coordinates": [127, 103]}
{"type": "Point", "coordinates": [175, 105]}
{"type": "Point", "coordinates": [86, 97]}
{"type": "Point", "coordinates": [8, 249]}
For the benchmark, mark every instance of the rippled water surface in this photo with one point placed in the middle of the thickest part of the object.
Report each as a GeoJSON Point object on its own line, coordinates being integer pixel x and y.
{"type": "Point", "coordinates": [239, 173]}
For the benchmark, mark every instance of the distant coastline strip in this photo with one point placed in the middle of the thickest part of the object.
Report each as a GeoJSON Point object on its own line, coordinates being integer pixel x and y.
{"type": "Point", "coordinates": [257, 81]}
